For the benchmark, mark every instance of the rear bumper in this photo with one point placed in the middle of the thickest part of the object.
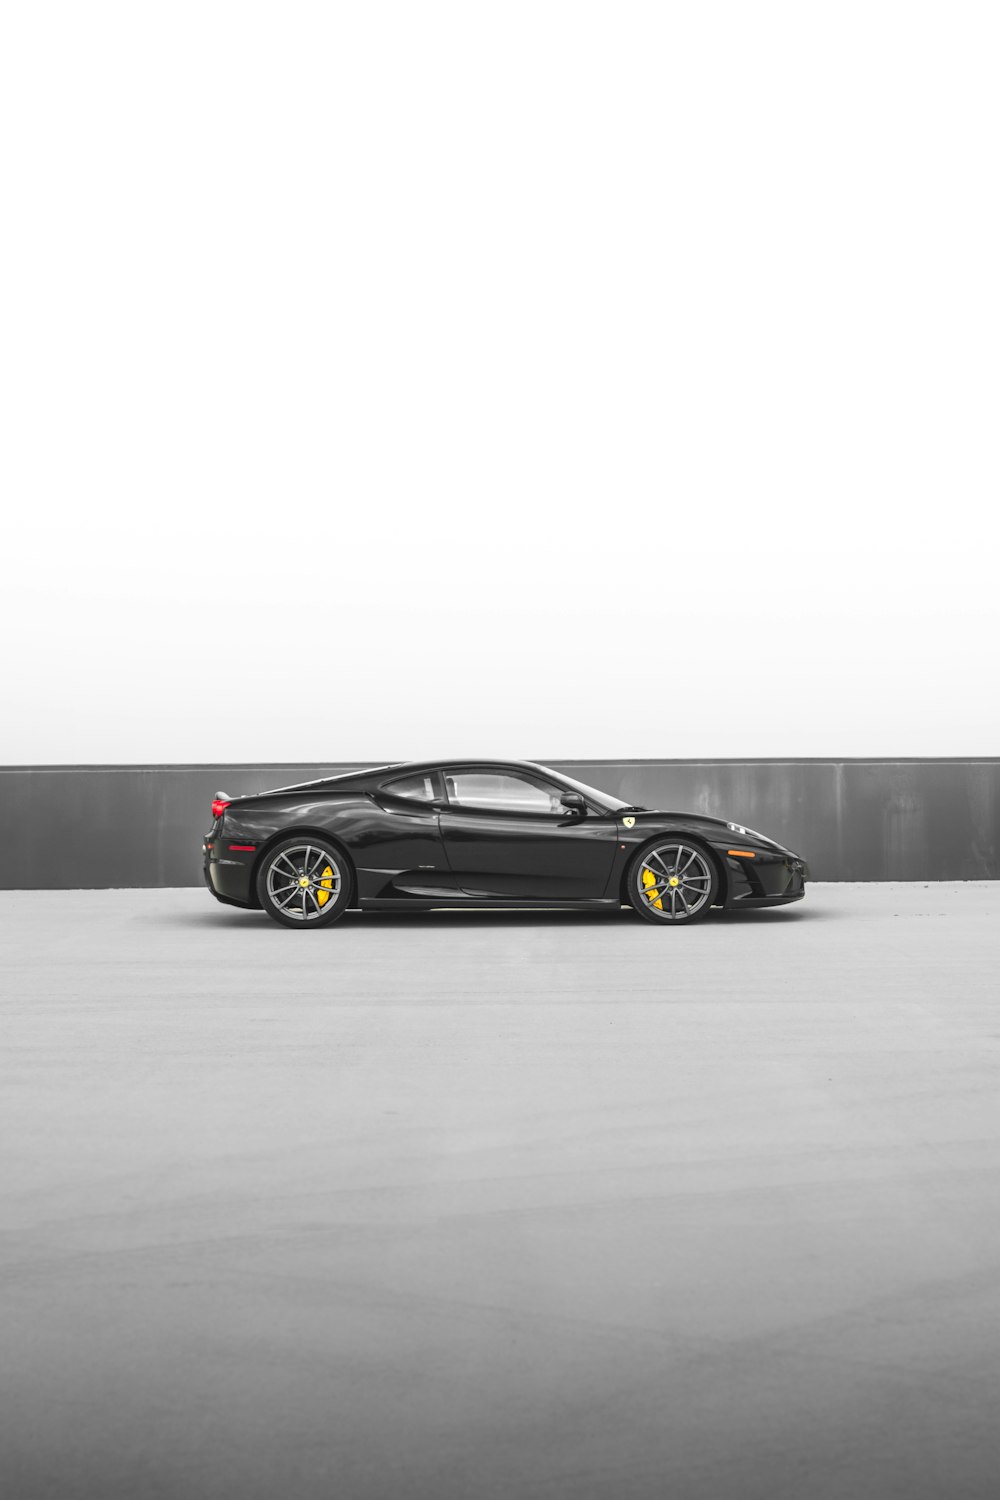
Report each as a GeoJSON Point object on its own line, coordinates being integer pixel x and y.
{"type": "Point", "coordinates": [228, 875]}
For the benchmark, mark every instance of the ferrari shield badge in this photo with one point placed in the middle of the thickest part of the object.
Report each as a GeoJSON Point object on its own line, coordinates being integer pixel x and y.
{"type": "Point", "coordinates": [628, 822]}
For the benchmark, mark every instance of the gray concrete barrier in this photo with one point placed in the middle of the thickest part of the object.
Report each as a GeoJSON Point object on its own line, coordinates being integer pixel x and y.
{"type": "Point", "coordinates": [98, 826]}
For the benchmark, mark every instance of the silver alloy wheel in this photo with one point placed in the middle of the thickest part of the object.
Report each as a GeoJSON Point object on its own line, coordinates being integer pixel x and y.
{"type": "Point", "coordinates": [303, 881]}
{"type": "Point", "coordinates": [674, 881]}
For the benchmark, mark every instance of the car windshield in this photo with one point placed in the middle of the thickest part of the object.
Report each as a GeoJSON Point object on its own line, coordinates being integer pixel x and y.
{"type": "Point", "coordinates": [603, 799]}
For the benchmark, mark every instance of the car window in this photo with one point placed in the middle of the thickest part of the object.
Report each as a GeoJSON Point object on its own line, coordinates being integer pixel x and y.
{"type": "Point", "coordinates": [420, 788]}
{"type": "Point", "coordinates": [500, 791]}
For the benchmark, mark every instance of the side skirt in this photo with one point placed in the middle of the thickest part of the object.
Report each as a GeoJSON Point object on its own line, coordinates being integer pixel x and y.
{"type": "Point", "coordinates": [481, 903]}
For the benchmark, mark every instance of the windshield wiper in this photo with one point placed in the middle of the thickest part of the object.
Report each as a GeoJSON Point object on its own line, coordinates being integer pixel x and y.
{"type": "Point", "coordinates": [631, 807]}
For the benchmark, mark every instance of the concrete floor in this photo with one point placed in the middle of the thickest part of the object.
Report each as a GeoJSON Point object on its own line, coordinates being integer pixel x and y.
{"type": "Point", "coordinates": [542, 1205]}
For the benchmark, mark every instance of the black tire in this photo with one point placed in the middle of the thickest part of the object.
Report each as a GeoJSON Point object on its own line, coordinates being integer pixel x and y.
{"type": "Point", "coordinates": [304, 882]}
{"type": "Point", "coordinates": [690, 896]}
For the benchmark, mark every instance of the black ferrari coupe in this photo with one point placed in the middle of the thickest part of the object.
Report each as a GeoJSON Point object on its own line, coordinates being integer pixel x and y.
{"type": "Point", "coordinates": [481, 833]}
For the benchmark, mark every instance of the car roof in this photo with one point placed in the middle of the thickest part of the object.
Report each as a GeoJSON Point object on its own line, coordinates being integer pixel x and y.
{"type": "Point", "coordinates": [398, 769]}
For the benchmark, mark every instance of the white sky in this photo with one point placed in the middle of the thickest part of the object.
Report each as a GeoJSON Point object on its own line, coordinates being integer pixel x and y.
{"type": "Point", "coordinates": [530, 379]}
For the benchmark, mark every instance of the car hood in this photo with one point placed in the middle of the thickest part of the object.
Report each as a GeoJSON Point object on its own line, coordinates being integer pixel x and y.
{"type": "Point", "coordinates": [715, 830]}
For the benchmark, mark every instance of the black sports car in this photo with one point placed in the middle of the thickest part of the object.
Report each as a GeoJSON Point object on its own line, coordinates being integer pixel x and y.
{"type": "Point", "coordinates": [422, 834]}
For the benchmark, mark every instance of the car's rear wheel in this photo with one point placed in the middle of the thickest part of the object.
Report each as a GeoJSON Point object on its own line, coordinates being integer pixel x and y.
{"type": "Point", "coordinates": [673, 881]}
{"type": "Point", "coordinates": [304, 882]}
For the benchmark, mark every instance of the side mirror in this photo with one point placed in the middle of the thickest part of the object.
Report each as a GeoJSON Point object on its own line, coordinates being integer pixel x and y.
{"type": "Point", "coordinates": [574, 801]}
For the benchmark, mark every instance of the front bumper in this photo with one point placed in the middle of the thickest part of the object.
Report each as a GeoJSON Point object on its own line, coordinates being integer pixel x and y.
{"type": "Point", "coordinates": [771, 877]}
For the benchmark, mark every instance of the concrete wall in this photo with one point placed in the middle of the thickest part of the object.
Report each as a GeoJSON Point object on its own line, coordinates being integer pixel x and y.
{"type": "Point", "coordinates": [95, 826]}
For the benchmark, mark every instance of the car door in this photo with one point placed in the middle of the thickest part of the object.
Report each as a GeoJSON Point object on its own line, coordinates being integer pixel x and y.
{"type": "Point", "coordinates": [506, 835]}
{"type": "Point", "coordinates": [405, 855]}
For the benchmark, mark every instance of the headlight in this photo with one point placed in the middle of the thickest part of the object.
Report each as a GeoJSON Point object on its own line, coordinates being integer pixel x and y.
{"type": "Point", "coordinates": [748, 833]}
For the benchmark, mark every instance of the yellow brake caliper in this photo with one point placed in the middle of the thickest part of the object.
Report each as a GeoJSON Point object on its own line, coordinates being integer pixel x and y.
{"type": "Point", "coordinates": [324, 887]}
{"type": "Point", "coordinates": [649, 880]}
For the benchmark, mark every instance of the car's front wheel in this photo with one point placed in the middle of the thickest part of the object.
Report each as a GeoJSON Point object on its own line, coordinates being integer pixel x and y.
{"type": "Point", "coordinates": [673, 881]}
{"type": "Point", "coordinates": [304, 882]}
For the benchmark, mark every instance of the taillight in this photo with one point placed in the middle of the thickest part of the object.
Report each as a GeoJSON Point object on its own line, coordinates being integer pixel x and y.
{"type": "Point", "coordinates": [218, 807]}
